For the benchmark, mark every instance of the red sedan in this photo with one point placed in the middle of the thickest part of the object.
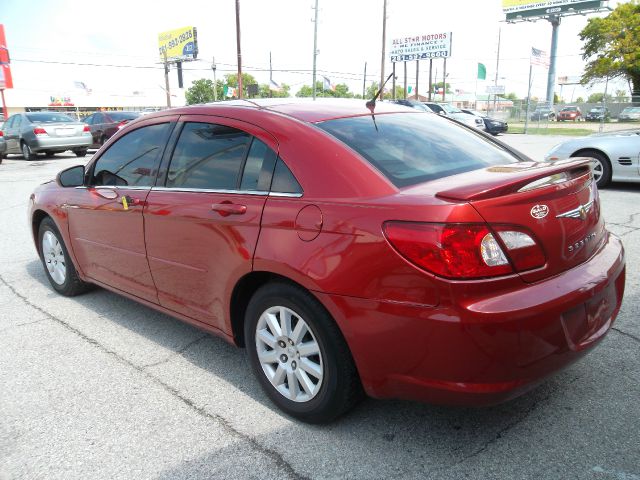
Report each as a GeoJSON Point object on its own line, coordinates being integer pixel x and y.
{"type": "Point", "coordinates": [350, 250]}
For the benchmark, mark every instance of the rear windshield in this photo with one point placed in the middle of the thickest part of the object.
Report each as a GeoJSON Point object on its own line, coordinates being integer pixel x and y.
{"type": "Point", "coordinates": [411, 148]}
{"type": "Point", "coordinates": [49, 117]}
{"type": "Point", "coordinates": [119, 116]}
{"type": "Point", "coordinates": [570, 109]}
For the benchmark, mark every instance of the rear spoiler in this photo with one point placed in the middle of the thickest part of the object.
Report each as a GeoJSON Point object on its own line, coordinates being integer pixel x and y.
{"type": "Point", "coordinates": [511, 178]}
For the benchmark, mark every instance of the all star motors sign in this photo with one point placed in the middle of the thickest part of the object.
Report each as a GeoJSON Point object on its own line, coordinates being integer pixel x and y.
{"type": "Point", "coordinates": [420, 47]}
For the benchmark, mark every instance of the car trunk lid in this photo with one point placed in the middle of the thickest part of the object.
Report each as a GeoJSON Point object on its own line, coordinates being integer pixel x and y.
{"type": "Point", "coordinates": [61, 129]}
{"type": "Point", "coordinates": [556, 201]}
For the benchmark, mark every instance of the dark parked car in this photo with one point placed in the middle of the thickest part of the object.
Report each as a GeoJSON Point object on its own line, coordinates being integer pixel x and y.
{"type": "Point", "coordinates": [598, 114]}
{"type": "Point", "coordinates": [3, 144]}
{"type": "Point", "coordinates": [491, 125]}
{"type": "Point", "coordinates": [543, 113]}
{"type": "Point", "coordinates": [104, 124]}
{"type": "Point", "coordinates": [48, 132]}
{"type": "Point", "coordinates": [571, 113]}
{"type": "Point", "coordinates": [348, 249]}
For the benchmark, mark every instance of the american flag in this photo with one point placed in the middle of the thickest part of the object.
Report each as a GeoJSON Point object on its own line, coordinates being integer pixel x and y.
{"type": "Point", "coordinates": [539, 57]}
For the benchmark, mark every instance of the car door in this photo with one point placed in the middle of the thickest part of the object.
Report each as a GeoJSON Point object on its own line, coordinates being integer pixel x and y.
{"type": "Point", "coordinates": [12, 134]}
{"type": "Point", "coordinates": [202, 223]}
{"type": "Point", "coordinates": [105, 216]}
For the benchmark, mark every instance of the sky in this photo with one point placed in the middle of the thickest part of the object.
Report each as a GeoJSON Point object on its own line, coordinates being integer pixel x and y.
{"type": "Point", "coordinates": [112, 46]}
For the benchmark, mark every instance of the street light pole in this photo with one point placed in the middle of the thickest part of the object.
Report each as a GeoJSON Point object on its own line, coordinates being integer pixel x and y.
{"type": "Point", "coordinates": [215, 89]}
{"type": "Point", "coordinates": [238, 49]}
{"type": "Point", "coordinates": [315, 47]}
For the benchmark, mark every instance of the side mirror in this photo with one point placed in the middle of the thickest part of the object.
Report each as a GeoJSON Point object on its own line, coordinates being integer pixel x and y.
{"type": "Point", "coordinates": [71, 177]}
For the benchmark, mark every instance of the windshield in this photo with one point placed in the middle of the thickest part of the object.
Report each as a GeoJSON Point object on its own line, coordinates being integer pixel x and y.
{"type": "Point", "coordinates": [49, 117]}
{"type": "Point", "coordinates": [596, 110]}
{"type": "Point", "coordinates": [411, 148]}
{"type": "Point", "coordinates": [450, 108]}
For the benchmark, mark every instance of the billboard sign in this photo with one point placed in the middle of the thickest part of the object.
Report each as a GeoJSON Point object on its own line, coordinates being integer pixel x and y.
{"type": "Point", "coordinates": [179, 45]}
{"type": "Point", "coordinates": [420, 47]}
{"type": "Point", "coordinates": [495, 89]}
{"type": "Point", "coordinates": [515, 9]}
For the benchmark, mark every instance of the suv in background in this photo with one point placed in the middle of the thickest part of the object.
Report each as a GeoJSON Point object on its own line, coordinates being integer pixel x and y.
{"type": "Point", "coordinates": [598, 114]}
{"type": "Point", "coordinates": [570, 112]}
{"type": "Point", "coordinates": [449, 110]}
{"type": "Point", "coordinates": [543, 113]}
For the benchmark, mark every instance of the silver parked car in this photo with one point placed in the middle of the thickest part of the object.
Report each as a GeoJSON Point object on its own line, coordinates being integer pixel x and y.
{"type": "Point", "coordinates": [629, 114]}
{"type": "Point", "coordinates": [48, 132]}
{"type": "Point", "coordinates": [450, 111]}
{"type": "Point", "coordinates": [616, 155]}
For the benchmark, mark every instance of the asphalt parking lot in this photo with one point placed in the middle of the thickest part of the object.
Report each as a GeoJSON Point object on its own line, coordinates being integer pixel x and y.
{"type": "Point", "coordinates": [98, 386]}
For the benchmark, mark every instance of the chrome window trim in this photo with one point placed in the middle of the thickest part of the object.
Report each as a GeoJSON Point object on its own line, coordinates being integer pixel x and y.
{"type": "Point", "coordinates": [116, 187]}
{"type": "Point", "coordinates": [208, 190]}
{"type": "Point", "coordinates": [223, 191]}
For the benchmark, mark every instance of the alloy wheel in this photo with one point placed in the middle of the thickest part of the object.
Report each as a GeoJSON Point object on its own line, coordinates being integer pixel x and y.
{"type": "Point", "coordinates": [289, 354]}
{"type": "Point", "coordinates": [54, 257]}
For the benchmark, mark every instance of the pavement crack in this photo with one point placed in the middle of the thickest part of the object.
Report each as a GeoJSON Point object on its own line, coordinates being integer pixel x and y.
{"type": "Point", "coordinates": [177, 352]}
{"type": "Point", "coordinates": [23, 324]}
{"type": "Point", "coordinates": [268, 452]}
{"type": "Point", "coordinates": [622, 332]}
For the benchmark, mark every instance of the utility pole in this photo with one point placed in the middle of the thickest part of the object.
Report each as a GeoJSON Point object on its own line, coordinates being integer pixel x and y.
{"type": "Point", "coordinates": [417, 78]}
{"type": "Point", "coordinates": [444, 80]}
{"type": "Point", "coordinates": [315, 47]}
{"type": "Point", "coordinates": [215, 88]}
{"type": "Point", "coordinates": [384, 43]}
{"type": "Point", "coordinates": [238, 49]}
{"type": "Point", "coordinates": [497, 66]}
{"type": "Point", "coordinates": [364, 81]}
{"type": "Point", "coordinates": [405, 80]}
{"type": "Point", "coordinates": [430, 79]}
{"type": "Point", "coordinates": [166, 80]}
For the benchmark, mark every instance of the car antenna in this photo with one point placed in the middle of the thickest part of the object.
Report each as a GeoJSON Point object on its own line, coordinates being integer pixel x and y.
{"type": "Point", "coordinates": [371, 104]}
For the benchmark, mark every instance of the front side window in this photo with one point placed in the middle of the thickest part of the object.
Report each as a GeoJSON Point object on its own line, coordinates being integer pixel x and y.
{"type": "Point", "coordinates": [133, 160]}
{"type": "Point", "coordinates": [410, 148]}
{"type": "Point", "coordinates": [208, 156]}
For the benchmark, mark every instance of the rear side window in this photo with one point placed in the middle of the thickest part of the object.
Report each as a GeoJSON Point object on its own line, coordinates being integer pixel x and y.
{"type": "Point", "coordinates": [133, 160]}
{"type": "Point", "coordinates": [283, 180]}
{"type": "Point", "coordinates": [208, 156]}
{"type": "Point", "coordinates": [410, 148]}
{"type": "Point", "coordinates": [258, 167]}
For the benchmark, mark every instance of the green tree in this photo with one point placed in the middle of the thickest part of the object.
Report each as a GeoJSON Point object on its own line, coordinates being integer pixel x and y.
{"type": "Point", "coordinates": [200, 91]}
{"type": "Point", "coordinates": [621, 96]}
{"type": "Point", "coordinates": [579, 100]}
{"type": "Point", "coordinates": [612, 47]}
{"type": "Point", "coordinates": [231, 80]}
{"type": "Point", "coordinates": [341, 90]}
{"type": "Point", "coordinates": [512, 96]}
{"type": "Point", "coordinates": [598, 97]}
{"type": "Point", "coordinates": [265, 92]}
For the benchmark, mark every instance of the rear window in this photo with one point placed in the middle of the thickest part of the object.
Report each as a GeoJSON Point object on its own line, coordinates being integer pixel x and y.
{"type": "Point", "coordinates": [410, 148]}
{"type": "Point", "coordinates": [49, 117]}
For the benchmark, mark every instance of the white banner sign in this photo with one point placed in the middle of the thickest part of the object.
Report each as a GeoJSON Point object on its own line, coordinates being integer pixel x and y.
{"type": "Point", "coordinates": [495, 89]}
{"type": "Point", "coordinates": [433, 45]}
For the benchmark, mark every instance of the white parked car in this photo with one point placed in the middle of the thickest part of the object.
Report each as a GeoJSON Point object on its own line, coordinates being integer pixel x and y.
{"type": "Point", "coordinates": [450, 111]}
{"type": "Point", "coordinates": [616, 155]}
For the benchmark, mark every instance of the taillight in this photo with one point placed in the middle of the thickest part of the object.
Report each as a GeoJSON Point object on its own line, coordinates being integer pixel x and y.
{"type": "Point", "coordinates": [40, 131]}
{"type": "Point", "coordinates": [1, 133]}
{"type": "Point", "coordinates": [86, 129]}
{"type": "Point", "coordinates": [464, 251]}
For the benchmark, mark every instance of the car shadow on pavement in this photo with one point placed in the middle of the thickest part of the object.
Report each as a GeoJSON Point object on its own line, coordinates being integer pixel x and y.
{"type": "Point", "coordinates": [383, 428]}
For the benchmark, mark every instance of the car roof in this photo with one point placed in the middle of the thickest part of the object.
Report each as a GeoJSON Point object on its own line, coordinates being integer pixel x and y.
{"type": "Point", "coordinates": [306, 110]}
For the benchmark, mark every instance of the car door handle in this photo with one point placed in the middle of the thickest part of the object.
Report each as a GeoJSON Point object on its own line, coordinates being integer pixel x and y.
{"type": "Point", "coordinates": [227, 208]}
{"type": "Point", "coordinates": [128, 201]}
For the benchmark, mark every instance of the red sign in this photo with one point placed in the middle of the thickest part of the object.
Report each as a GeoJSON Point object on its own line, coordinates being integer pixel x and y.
{"type": "Point", "coordinates": [6, 81]}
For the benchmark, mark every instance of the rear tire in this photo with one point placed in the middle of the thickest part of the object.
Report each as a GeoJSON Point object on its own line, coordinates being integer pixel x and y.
{"type": "Point", "coordinates": [299, 355]}
{"type": "Point", "coordinates": [27, 153]}
{"type": "Point", "coordinates": [80, 153]}
{"type": "Point", "coordinates": [55, 258]}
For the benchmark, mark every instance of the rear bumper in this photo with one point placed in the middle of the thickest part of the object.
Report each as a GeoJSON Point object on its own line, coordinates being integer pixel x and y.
{"type": "Point", "coordinates": [61, 144]}
{"type": "Point", "coordinates": [486, 350]}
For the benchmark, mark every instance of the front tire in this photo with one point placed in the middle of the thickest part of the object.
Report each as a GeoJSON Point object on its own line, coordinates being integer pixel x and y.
{"type": "Point", "coordinates": [55, 258]}
{"type": "Point", "coordinates": [80, 153]}
{"type": "Point", "coordinates": [298, 354]}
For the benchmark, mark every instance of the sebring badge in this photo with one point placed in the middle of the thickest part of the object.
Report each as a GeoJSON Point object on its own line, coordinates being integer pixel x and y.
{"type": "Point", "coordinates": [539, 211]}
